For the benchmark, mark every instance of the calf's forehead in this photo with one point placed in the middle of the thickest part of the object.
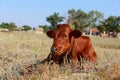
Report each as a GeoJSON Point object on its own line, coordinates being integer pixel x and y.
{"type": "Point", "coordinates": [63, 30]}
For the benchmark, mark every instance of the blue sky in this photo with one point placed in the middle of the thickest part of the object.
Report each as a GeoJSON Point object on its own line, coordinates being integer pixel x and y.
{"type": "Point", "coordinates": [34, 12]}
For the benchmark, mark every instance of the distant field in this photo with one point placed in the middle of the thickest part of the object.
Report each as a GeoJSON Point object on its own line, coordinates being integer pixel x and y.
{"type": "Point", "coordinates": [18, 50]}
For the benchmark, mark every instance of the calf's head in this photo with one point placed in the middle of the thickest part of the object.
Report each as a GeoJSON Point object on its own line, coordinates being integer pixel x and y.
{"type": "Point", "coordinates": [63, 38]}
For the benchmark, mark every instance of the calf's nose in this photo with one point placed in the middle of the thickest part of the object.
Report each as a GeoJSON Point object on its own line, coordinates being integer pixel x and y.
{"type": "Point", "coordinates": [53, 49]}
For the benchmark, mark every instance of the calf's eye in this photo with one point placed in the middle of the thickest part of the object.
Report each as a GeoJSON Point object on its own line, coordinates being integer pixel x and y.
{"type": "Point", "coordinates": [65, 36]}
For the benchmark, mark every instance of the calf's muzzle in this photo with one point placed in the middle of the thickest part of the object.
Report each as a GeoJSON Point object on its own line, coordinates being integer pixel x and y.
{"type": "Point", "coordinates": [53, 49]}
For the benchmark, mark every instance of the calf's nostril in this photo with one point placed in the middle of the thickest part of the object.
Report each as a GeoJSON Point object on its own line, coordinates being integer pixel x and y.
{"type": "Point", "coordinates": [53, 49]}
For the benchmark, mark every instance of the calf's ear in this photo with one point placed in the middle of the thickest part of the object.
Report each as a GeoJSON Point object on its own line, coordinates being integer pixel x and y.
{"type": "Point", "coordinates": [50, 34]}
{"type": "Point", "coordinates": [75, 33]}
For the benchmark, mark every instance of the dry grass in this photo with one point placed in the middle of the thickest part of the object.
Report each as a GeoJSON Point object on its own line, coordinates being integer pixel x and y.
{"type": "Point", "coordinates": [18, 50]}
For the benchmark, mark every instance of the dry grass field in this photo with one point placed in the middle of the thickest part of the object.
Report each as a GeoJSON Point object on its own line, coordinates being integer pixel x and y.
{"type": "Point", "coordinates": [18, 50]}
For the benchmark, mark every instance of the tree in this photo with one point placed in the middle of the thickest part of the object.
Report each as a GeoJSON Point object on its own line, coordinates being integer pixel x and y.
{"type": "Point", "coordinates": [71, 17]}
{"type": "Point", "coordinates": [26, 27]}
{"type": "Point", "coordinates": [95, 17]}
{"type": "Point", "coordinates": [118, 24]}
{"type": "Point", "coordinates": [102, 27]}
{"type": "Point", "coordinates": [113, 23]}
{"type": "Point", "coordinates": [10, 26]}
{"type": "Point", "coordinates": [54, 20]}
{"type": "Point", "coordinates": [45, 28]}
{"type": "Point", "coordinates": [82, 19]}
{"type": "Point", "coordinates": [4, 25]}
{"type": "Point", "coordinates": [76, 19]}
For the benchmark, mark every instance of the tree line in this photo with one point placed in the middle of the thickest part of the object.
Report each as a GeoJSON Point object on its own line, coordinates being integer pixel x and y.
{"type": "Point", "coordinates": [80, 20]}
{"type": "Point", "coordinates": [12, 27]}
{"type": "Point", "coordinates": [77, 19]}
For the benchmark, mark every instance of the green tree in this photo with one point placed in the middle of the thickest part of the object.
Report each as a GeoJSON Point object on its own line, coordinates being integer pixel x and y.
{"type": "Point", "coordinates": [4, 25]}
{"type": "Point", "coordinates": [83, 19]}
{"type": "Point", "coordinates": [72, 16]}
{"type": "Point", "coordinates": [45, 28]}
{"type": "Point", "coordinates": [118, 24]}
{"type": "Point", "coordinates": [78, 18]}
{"type": "Point", "coordinates": [10, 26]}
{"type": "Point", "coordinates": [95, 17]}
{"type": "Point", "coordinates": [113, 23]}
{"type": "Point", "coordinates": [110, 23]}
{"type": "Point", "coordinates": [102, 27]}
{"type": "Point", "coordinates": [26, 27]}
{"type": "Point", "coordinates": [54, 20]}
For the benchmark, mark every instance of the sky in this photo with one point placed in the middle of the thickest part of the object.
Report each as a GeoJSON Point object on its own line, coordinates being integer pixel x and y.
{"type": "Point", "coordinates": [34, 12]}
